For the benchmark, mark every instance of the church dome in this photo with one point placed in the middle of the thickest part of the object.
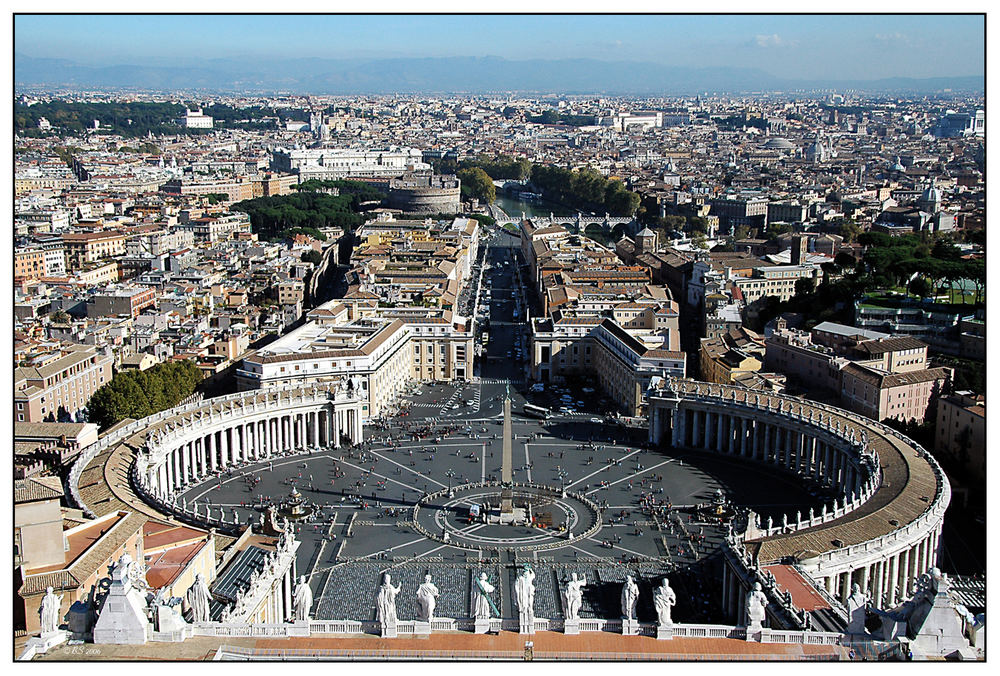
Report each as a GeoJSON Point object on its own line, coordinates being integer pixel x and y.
{"type": "Point", "coordinates": [778, 143]}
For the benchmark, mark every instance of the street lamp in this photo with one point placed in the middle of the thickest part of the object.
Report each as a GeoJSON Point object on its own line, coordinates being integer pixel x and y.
{"type": "Point", "coordinates": [450, 473]}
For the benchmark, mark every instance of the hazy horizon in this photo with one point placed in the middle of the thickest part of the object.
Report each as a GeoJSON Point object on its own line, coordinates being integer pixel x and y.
{"type": "Point", "coordinates": [790, 47]}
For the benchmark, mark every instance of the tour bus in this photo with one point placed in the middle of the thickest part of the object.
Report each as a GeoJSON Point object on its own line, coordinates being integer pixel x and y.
{"type": "Point", "coordinates": [537, 411]}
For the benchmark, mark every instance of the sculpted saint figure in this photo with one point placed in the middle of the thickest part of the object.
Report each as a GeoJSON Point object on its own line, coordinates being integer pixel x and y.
{"type": "Point", "coordinates": [664, 600]}
{"type": "Point", "coordinates": [756, 602]}
{"type": "Point", "coordinates": [427, 594]}
{"type": "Point", "coordinates": [303, 600]}
{"type": "Point", "coordinates": [630, 596]}
{"type": "Point", "coordinates": [524, 591]}
{"type": "Point", "coordinates": [857, 607]}
{"type": "Point", "coordinates": [198, 597]}
{"type": "Point", "coordinates": [49, 611]}
{"type": "Point", "coordinates": [386, 602]}
{"type": "Point", "coordinates": [573, 597]}
{"type": "Point", "coordinates": [481, 598]}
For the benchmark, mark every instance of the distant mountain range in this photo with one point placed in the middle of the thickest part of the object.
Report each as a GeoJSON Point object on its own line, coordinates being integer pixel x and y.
{"type": "Point", "coordinates": [449, 75]}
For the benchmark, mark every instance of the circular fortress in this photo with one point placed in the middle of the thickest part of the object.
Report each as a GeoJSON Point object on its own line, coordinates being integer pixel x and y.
{"type": "Point", "coordinates": [426, 194]}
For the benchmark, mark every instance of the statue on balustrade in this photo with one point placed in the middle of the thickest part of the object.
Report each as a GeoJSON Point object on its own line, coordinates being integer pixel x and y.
{"type": "Point", "coordinates": [857, 608]}
{"type": "Point", "coordinates": [664, 600]}
{"type": "Point", "coordinates": [385, 602]}
{"type": "Point", "coordinates": [197, 598]}
{"type": "Point", "coordinates": [630, 597]}
{"type": "Point", "coordinates": [573, 596]}
{"type": "Point", "coordinates": [481, 598]}
{"type": "Point", "coordinates": [756, 601]}
{"type": "Point", "coordinates": [427, 594]}
{"type": "Point", "coordinates": [524, 592]}
{"type": "Point", "coordinates": [303, 600]}
{"type": "Point", "coordinates": [48, 612]}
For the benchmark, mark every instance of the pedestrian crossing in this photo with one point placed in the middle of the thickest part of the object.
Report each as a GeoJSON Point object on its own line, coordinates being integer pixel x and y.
{"type": "Point", "coordinates": [501, 381]}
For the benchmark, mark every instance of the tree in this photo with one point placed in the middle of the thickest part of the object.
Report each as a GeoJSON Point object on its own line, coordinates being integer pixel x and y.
{"type": "Point", "coordinates": [699, 240]}
{"type": "Point", "coordinates": [477, 183]}
{"type": "Point", "coordinates": [312, 256]}
{"type": "Point", "coordinates": [804, 286]}
{"type": "Point", "coordinates": [920, 287]}
{"type": "Point", "coordinates": [137, 394]}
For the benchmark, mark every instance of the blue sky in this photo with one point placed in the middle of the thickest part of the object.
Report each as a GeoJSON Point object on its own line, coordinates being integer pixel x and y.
{"type": "Point", "coordinates": [862, 47]}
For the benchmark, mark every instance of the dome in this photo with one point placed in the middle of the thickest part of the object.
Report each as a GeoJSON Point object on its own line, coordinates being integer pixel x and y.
{"type": "Point", "coordinates": [931, 194]}
{"type": "Point", "coordinates": [778, 143]}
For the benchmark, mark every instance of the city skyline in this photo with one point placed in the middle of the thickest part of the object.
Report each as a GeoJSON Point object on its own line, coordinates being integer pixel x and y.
{"type": "Point", "coordinates": [794, 47]}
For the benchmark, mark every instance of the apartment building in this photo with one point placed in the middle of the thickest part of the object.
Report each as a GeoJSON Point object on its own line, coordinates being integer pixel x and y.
{"type": "Point", "coordinates": [124, 301]}
{"type": "Point", "coordinates": [960, 430]}
{"type": "Point", "coordinates": [89, 247]}
{"type": "Point", "coordinates": [59, 384]}
{"type": "Point", "coordinates": [777, 280]}
{"type": "Point", "coordinates": [29, 264]}
{"type": "Point", "coordinates": [236, 189]}
{"type": "Point", "coordinates": [727, 357]}
{"type": "Point", "coordinates": [880, 395]}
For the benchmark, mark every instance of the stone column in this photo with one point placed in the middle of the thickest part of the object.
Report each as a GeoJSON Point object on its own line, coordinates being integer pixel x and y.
{"type": "Point", "coordinates": [315, 428]}
{"type": "Point", "coordinates": [224, 448]}
{"type": "Point", "coordinates": [904, 575]}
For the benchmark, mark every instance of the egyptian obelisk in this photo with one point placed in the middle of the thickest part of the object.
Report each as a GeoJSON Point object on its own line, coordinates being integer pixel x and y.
{"type": "Point", "coordinates": [506, 476]}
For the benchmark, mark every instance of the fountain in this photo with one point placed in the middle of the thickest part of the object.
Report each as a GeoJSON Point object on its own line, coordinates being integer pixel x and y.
{"type": "Point", "coordinates": [294, 507]}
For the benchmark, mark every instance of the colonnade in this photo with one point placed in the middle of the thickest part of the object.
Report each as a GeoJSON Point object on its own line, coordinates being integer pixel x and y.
{"type": "Point", "coordinates": [753, 435]}
{"type": "Point", "coordinates": [891, 578]}
{"type": "Point", "coordinates": [887, 567]}
{"type": "Point", "coordinates": [241, 440]}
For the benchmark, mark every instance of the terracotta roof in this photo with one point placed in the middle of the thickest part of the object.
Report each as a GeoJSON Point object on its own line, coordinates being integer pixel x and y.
{"type": "Point", "coordinates": [37, 488]}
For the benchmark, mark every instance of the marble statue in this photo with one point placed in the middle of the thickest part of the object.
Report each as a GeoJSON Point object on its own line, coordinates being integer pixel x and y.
{"type": "Point", "coordinates": [756, 601]}
{"type": "Point", "coordinates": [857, 606]}
{"type": "Point", "coordinates": [664, 599]}
{"type": "Point", "coordinates": [573, 596]}
{"type": "Point", "coordinates": [303, 600]}
{"type": "Point", "coordinates": [48, 612]}
{"type": "Point", "coordinates": [427, 594]}
{"type": "Point", "coordinates": [481, 604]}
{"type": "Point", "coordinates": [385, 602]}
{"type": "Point", "coordinates": [198, 598]}
{"type": "Point", "coordinates": [166, 617]}
{"type": "Point", "coordinates": [524, 593]}
{"type": "Point", "coordinates": [630, 596]}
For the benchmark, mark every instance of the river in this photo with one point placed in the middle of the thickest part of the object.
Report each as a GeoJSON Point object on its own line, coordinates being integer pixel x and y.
{"type": "Point", "coordinates": [513, 207]}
